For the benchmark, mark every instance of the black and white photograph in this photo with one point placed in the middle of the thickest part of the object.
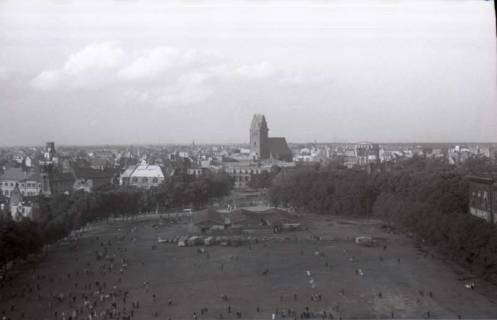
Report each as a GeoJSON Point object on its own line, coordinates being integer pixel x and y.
{"type": "Point", "coordinates": [248, 159]}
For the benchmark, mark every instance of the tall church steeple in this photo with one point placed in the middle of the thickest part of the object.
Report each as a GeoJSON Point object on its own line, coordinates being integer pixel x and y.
{"type": "Point", "coordinates": [259, 136]}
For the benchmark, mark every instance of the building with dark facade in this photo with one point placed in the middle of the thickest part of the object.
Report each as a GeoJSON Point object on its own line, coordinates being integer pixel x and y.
{"type": "Point", "coordinates": [264, 147]}
{"type": "Point", "coordinates": [483, 197]}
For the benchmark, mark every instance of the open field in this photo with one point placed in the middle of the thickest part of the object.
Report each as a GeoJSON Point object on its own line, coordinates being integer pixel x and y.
{"type": "Point", "coordinates": [291, 271]}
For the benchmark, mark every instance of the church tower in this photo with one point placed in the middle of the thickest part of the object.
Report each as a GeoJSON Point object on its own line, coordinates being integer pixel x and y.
{"type": "Point", "coordinates": [45, 171]}
{"type": "Point", "coordinates": [259, 136]}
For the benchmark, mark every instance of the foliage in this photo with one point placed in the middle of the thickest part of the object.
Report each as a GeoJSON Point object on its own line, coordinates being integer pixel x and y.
{"type": "Point", "coordinates": [426, 197]}
{"type": "Point", "coordinates": [263, 179]}
{"type": "Point", "coordinates": [323, 190]}
{"type": "Point", "coordinates": [18, 240]}
{"type": "Point", "coordinates": [61, 214]}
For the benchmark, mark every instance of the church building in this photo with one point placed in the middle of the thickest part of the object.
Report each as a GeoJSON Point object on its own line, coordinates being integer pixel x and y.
{"type": "Point", "coordinates": [264, 147]}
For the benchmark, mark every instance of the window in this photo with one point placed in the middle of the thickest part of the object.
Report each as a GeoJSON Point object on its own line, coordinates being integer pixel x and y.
{"type": "Point", "coordinates": [155, 180]}
{"type": "Point", "coordinates": [134, 179]}
{"type": "Point", "coordinates": [144, 179]}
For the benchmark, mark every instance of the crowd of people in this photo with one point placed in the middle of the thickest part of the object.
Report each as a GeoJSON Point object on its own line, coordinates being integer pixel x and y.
{"type": "Point", "coordinates": [98, 288]}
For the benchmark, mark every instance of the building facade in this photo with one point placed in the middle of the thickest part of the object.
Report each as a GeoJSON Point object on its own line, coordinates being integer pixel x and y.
{"type": "Point", "coordinates": [264, 147]}
{"type": "Point", "coordinates": [259, 137]}
{"type": "Point", "coordinates": [483, 198]}
{"type": "Point", "coordinates": [242, 172]}
{"type": "Point", "coordinates": [21, 209]}
{"type": "Point", "coordinates": [28, 182]}
{"type": "Point", "coordinates": [142, 176]}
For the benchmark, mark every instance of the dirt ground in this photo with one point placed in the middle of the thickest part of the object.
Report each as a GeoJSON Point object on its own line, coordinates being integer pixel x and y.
{"type": "Point", "coordinates": [292, 275]}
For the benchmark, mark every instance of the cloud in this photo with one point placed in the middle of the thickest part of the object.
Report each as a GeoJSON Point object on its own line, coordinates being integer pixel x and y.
{"type": "Point", "coordinates": [95, 58]}
{"type": "Point", "coordinates": [163, 76]}
{"type": "Point", "coordinates": [90, 67]}
{"type": "Point", "coordinates": [46, 80]}
{"type": "Point", "coordinates": [159, 60]}
{"type": "Point", "coordinates": [258, 70]}
{"type": "Point", "coordinates": [189, 88]}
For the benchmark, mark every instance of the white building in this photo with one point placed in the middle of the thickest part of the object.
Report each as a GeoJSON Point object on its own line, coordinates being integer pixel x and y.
{"type": "Point", "coordinates": [142, 176]}
{"type": "Point", "coordinates": [29, 183]}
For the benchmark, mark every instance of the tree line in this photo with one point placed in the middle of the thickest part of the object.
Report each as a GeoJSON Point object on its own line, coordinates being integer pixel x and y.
{"type": "Point", "coordinates": [426, 197]}
{"type": "Point", "coordinates": [60, 214]}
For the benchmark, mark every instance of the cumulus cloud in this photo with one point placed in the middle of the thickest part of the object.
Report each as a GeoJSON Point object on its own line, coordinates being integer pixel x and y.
{"type": "Point", "coordinates": [90, 67]}
{"type": "Point", "coordinates": [188, 89]}
{"type": "Point", "coordinates": [46, 80]}
{"type": "Point", "coordinates": [164, 76]}
{"type": "Point", "coordinates": [258, 70]}
{"type": "Point", "coordinates": [95, 58]}
{"type": "Point", "coordinates": [159, 60]}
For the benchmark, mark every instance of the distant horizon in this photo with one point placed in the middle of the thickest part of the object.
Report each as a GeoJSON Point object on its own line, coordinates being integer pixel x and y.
{"type": "Point", "coordinates": [149, 71]}
{"type": "Point", "coordinates": [241, 144]}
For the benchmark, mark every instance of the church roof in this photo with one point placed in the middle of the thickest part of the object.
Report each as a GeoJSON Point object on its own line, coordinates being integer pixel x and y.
{"type": "Point", "coordinates": [278, 145]}
{"type": "Point", "coordinates": [258, 121]}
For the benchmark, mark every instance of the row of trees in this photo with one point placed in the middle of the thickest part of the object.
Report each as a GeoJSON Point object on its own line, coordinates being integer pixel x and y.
{"type": "Point", "coordinates": [61, 214]}
{"type": "Point", "coordinates": [426, 197]}
{"type": "Point", "coordinates": [327, 190]}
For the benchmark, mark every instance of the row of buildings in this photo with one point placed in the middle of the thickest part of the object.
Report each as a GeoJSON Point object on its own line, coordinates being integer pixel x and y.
{"type": "Point", "coordinates": [21, 185]}
{"type": "Point", "coordinates": [363, 153]}
{"type": "Point", "coordinates": [26, 173]}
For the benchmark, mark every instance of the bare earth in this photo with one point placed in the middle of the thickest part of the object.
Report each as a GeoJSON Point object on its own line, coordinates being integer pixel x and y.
{"type": "Point", "coordinates": [395, 282]}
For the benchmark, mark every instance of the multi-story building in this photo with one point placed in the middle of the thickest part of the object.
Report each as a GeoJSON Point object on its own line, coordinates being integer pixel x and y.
{"type": "Point", "coordinates": [241, 172]}
{"type": "Point", "coordinates": [89, 179]}
{"type": "Point", "coordinates": [483, 197]}
{"type": "Point", "coordinates": [19, 208]}
{"type": "Point", "coordinates": [29, 182]}
{"type": "Point", "coordinates": [367, 153]}
{"type": "Point", "coordinates": [264, 147]}
{"type": "Point", "coordinates": [142, 176]}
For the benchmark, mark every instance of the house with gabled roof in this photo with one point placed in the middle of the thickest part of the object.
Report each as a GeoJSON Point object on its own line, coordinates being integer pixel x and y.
{"type": "Point", "coordinates": [28, 181]}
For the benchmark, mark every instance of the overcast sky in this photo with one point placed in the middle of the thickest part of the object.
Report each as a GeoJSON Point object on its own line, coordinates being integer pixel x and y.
{"type": "Point", "coordinates": [103, 72]}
